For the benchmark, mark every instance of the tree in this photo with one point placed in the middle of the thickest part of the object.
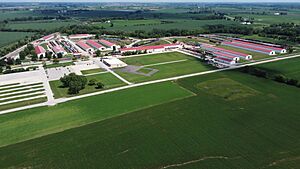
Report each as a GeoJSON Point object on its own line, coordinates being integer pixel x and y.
{"type": "Point", "coordinates": [292, 82]}
{"type": "Point", "coordinates": [92, 82]}
{"type": "Point", "coordinates": [59, 55]}
{"type": "Point", "coordinates": [74, 82]}
{"type": "Point", "coordinates": [22, 55]}
{"type": "Point", "coordinates": [1, 69]}
{"type": "Point", "coordinates": [280, 78]}
{"type": "Point", "coordinates": [98, 53]}
{"type": "Point", "coordinates": [100, 85]}
{"type": "Point", "coordinates": [34, 57]}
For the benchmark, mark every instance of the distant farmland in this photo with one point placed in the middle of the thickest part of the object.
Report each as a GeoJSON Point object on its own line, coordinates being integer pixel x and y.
{"type": "Point", "coordinates": [38, 25]}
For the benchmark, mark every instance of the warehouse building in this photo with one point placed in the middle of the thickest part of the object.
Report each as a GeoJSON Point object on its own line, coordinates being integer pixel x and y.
{"type": "Point", "coordinates": [80, 36]}
{"type": "Point", "coordinates": [40, 51]}
{"type": "Point", "coordinates": [84, 46]}
{"type": "Point", "coordinates": [250, 48]}
{"type": "Point", "coordinates": [152, 49]}
{"type": "Point", "coordinates": [96, 45]}
{"type": "Point", "coordinates": [110, 45]}
{"type": "Point", "coordinates": [114, 63]}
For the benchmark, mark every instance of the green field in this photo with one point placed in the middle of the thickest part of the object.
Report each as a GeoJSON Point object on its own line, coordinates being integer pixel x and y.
{"type": "Point", "coordinates": [109, 81]}
{"type": "Point", "coordinates": [9, 37]}
{"type": "Point", "coordinates": [187, 65]}
{"type": "Point", "coordinates": [290, 68]}
{"type": "Point", "coordinates": [260, 130]}
{"type": "Point", "coordinates": [149, 24]}
{"type": "Point", "coordinates": [27, 124]}
{"type": "Point", "coordinates": [37, 25]}
{"type": "Point", "coordinates": [15, 14]}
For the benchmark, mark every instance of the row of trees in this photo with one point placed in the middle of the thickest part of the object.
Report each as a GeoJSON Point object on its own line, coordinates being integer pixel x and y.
{"type": "Point", "coordinates": [276, 77]}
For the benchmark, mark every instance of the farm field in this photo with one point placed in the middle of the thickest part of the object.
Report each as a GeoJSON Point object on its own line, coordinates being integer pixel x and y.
{"type": "Point", "coordinates": [147, 25]}
{"type": "Point", "coordinates": [32, 123]}
{"type": "Point", "coordinates": [15, 14]}
{"type": "Point", "coordinates": [168, 65]}
{"type": "Point", "coordinates": [37, 25]}
{"type": "Point", "coordinates": [10, 37]}
{"type": "Point", "coordinates": [290, 68]}
{"type": "Point", "coordinates": [246, 130]}
{"type": "Point", "coordinates": [109, 81]}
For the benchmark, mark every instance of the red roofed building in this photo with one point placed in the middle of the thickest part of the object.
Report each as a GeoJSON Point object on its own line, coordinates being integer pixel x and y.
{"type": "Point", "coordinates": [40, 51]}
{"type": "Point", "coordinates": [80, 36]}
{"type": "Point", "coordinates": [84, 46]}
{"type": "Point", "coordinates": [152, 49]}
{"type": "Point", "coordinates": [59, 49]}
{"type": "Point", "coordinates": [48, 37]}
{"type": "Point", "coordinates": [96, 45]}
{"type": "Point", "coordinates": [110, 45]}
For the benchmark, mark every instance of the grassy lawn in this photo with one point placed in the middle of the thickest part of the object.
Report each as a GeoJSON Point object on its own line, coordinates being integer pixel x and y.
{"type": "Point", "coordinates": [255, 55]}
{"type": "Point", "coordinates": [59, 64]}
{"type": "Point", "coordinates": [205, 131]}
{"type": "Point", "coordinates": [109, 81]}
{"type": "Point", "coordinates": [10, 37]}
{"type": "Point", "coordinates": [191, 65]}
{"type": "Point", "coordinates": [27, 124]}
{"type": "Point", "coordinates": [91, 71]}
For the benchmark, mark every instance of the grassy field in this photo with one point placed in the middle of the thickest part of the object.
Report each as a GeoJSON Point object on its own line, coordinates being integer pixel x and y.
{"type": "Point", "coordinates": [37, 25]}
{"type": "Point", "coordinates": [257, 130]}
{"type": "Point", "coordinates": [109, 81]}
{"type": "Point", "coordinates": [186, 65]}
{"type": "Point", "coordinates": [23, 103]}
{"type": "Point", "coordinates": [290, 68]}
{"type": "Point", "coordinates": [27, 124]}
{"type": "Point", "coordinates": [10, 37]}
{"type": "Point", "coordinates": [147, 25]}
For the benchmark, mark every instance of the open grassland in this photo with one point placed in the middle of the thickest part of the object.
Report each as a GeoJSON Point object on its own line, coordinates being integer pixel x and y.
{"type": "Point", "coordinates": [109, 81]}
{"type": "Point", "coordinates": [185, 65]}
{"type": "Point", "coordinates": [27, 124]}
{"type": "Point", "coordinates": [260, 130]}
{"type": "Point", "coordinates": [10, 37]}
{"type": "Point", "coordinates": [148, 25]}
{"type": "Point", "coordinates": [290, 68]}
{"type": "Point", "coordinates": [38, 25]}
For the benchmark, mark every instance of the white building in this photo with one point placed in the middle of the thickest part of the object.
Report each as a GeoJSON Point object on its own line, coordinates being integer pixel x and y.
{"type": "Point", "coordinates": [114, 62]}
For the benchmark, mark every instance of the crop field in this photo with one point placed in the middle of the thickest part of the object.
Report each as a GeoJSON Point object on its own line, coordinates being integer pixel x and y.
{"type": "Point", "coordinates": [290, 68]}
{"type": "Point", "coordinates": [109, 81]}
{"type": "Point", "coordinates": [37, 25]}
{"type": "Point", "coordinates": [147, 25]}
{"type": "Point", "coordinates": [27, 124]}
{"type": "Point", "coordinates": [203, 131]}
{"type": "Point", "coordinates": [10, 37]}
{"type": "Point", "coordinates": [15, 14]}
{"type": "Point", "coordinates": [168, 65]}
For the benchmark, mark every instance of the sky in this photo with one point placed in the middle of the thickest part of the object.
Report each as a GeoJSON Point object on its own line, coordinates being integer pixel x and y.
{"type": "Point", "coordinates": [150, 1]}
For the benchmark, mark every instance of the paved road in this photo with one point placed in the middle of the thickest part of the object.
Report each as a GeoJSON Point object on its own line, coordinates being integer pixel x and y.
{"type": "Point", "coordinates": [147, 83]}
